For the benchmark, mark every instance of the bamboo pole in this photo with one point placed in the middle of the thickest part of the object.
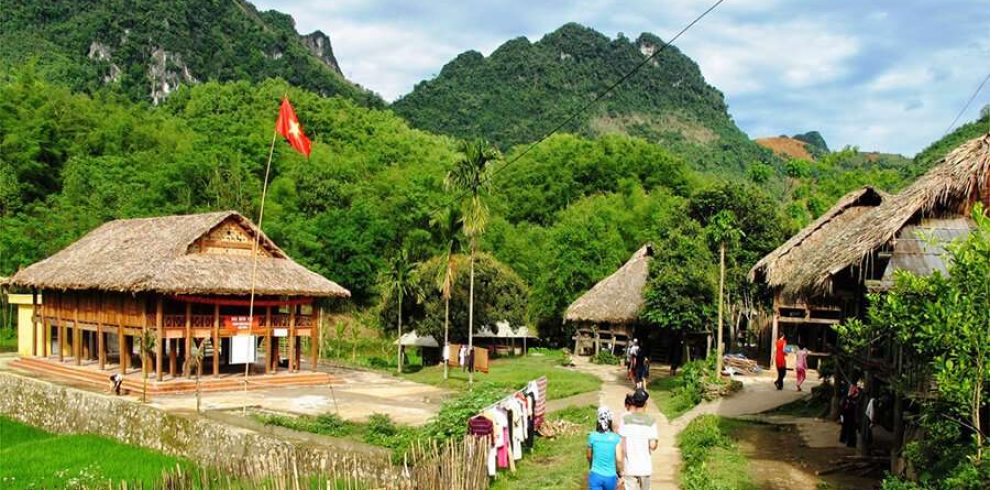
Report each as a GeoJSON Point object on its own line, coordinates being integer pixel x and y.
{"type": "Point", "coordinates": [292, 339]}
{"type": "Point", "coordinates": [188, 347]}
{"type": "Point", "coordinates": [76, 332]}
{"type": "Point", "coordinates": [268, 340]}
{"type": "Point", "coordinates": [216, 340]}
{"type": "Point", "coordinates": [314, 338]}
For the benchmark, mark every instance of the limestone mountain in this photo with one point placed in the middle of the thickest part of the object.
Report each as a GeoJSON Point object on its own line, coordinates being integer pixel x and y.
{"type": "Point", "coordinates": [147, 48]}
{"type": "Point", "coordinates": [525, 88]}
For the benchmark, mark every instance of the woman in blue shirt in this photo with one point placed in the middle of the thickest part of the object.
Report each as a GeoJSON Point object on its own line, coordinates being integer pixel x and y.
{"type": "Point", "coordinates": [604, 453]}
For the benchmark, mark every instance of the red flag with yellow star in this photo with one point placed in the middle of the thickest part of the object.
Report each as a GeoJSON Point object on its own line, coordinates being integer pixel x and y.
{"type": "Point", "coordinates": [288, 125]}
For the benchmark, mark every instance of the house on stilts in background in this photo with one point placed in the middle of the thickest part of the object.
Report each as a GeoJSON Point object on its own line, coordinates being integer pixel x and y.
{"type": "Point", "coordinates": [181, 280]}
{"type": "Point", "coordinates": [822, 275]}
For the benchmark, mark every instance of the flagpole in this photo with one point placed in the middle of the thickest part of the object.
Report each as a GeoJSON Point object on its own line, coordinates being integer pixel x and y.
{"type": "Point", "coordinates": [254, 248]}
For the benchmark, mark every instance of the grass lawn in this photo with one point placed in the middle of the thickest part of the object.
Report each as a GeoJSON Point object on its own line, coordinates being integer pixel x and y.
{"type": "Point", "coordinates": [35, 458]}
{"type": "Point", "coordinates": [8, 340]}
{"type": "Point", "coordinates": [554, 463]}
{"type": "Point", "coordinates": [513, 373]}
{"type": "Point", "coordinates": [671, 401]}
{"type": "Point", "coordinates": [711, 459]}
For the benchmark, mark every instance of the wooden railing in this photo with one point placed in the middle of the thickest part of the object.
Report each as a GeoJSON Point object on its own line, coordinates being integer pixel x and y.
{"type": "Point", "coordinates": [206, 321]}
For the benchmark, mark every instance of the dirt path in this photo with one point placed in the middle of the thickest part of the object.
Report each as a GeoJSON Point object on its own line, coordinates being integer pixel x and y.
{"type": "Point", "coordinates": [758, 395]}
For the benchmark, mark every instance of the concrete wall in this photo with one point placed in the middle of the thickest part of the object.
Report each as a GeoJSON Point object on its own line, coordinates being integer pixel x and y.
{"type": "Point", "coordinates": [61, 409]}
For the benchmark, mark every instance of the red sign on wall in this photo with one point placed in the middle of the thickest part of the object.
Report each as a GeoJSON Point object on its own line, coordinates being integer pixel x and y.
{"type": "Point", "coordinates": [241, 323]}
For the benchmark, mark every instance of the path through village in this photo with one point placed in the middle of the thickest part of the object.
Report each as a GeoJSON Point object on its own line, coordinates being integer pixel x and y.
{"type": "Point", "coordinates": [758, 395]}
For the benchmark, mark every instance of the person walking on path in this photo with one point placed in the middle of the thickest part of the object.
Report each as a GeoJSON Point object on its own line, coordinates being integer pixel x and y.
{"type": "Point", "coordinates": [639, 440]}
{"type": "Point", "coordinates": [604, 453]}
{"type": "Point", "coordinates": [780, 359]}
{"type": "Point", "coordinates": [631, 353]}
{"type": "Point", "coordinates": [801, 365]}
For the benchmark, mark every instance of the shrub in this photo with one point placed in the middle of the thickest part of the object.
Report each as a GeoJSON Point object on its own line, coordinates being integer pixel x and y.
{"type": "Point", "coordinates": [606, 357]}
{"type": "Point", "coordinates": [701, 435]}
{"type": "Point", "coordinates": [451, 420]}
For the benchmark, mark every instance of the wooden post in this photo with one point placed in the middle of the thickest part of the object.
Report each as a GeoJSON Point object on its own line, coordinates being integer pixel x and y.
{"type": "Point", "coordinates": [185, 362]}
{"type": "Point", "coordinates": [292, 338]}
{"type": "Point", "coordinates": [101, 343]}
{"type": "Point", "coordinates": [34, 322]}
{"type": "Point", "coordinates": [45, 329]}
{"type": "Point", "coordinates": [76, 332]}
{"type": "Point", "coordinates": [124, 354]}
{"type": "Point", "coordinates": [314, 339]}
{"type": "Point", "coordinates": [216, 340]}
{"type": "Point", "coordinates": [172, 361]}
{"type": "Point", "coordinates": [268, 339]}
{"type": "Point", "coordinates": [159, 336]}
{"type": "Point", "coordinates": [61, 329]}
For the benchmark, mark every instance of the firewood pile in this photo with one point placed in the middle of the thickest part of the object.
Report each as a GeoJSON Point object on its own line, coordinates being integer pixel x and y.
{"type": "Point", "coordinates": [742, 365]}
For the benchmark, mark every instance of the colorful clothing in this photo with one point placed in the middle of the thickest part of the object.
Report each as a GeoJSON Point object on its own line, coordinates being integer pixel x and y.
{"type": "Point", "coordinates": [638, 429]}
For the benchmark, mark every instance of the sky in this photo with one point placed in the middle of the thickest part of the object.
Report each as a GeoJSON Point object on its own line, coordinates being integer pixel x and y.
{"type": "Point", "coordinates": [883, 75]}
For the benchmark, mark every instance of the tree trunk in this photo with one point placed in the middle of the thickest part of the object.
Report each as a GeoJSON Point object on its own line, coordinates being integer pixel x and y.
{"type": "Point", "coordinates": [721, 293]}
{"type": "Point", "coordinates": [399, 351]}
{"type": "Point", "coordinates": [471, 316]}
{"type": "Point", "coordinates": [446, 331]}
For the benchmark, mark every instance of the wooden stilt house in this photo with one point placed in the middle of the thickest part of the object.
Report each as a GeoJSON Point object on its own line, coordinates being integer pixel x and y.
{"type": "Point", "coordinates": [609, 312]}
{"type": "Point", "coordinates": [823, 274]}
{"type": "Point", "coordinates": [184, 279]}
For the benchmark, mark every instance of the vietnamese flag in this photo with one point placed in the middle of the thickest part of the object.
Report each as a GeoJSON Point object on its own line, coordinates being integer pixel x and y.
{"type": "Point", "coordinates": [288, 125]}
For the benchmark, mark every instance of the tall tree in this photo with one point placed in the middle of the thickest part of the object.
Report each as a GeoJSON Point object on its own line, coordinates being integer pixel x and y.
{"type": "Point", "coordinates": [447, 222]}
{"type": "Point", "coordinates": [723, 232]}
{"type": "Point", "coordinates": [470, 180]}
{"type": "Point", "coordinates": [396, 282]}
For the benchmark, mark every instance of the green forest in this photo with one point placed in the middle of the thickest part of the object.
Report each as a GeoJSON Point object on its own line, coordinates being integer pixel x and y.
{"type": "Point", "coordinates": [563, 215]}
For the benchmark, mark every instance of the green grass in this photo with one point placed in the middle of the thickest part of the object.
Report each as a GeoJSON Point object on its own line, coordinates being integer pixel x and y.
{"type": "Point", "coordinates": [711, 459]}
{"type": "Point", "coordinates": [34, 458]}
{"type": "Point", "coordinates": [8, 340]}
{"type": "Point", "coordinates": [672, 401]}
{"type": "Point", "coordinates": [554, 463]}
{"type": "Point", "coordinates": [513, 373]}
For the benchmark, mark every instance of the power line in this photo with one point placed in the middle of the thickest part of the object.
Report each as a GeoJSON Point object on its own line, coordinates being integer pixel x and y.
{"type": "Point", "coordinates": [968, 102]}
{"type": "Point", "coordinates": [587, 105]}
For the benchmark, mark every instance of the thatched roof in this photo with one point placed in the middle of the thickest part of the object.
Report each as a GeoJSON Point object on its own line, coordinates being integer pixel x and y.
{"type": "Point", "coordinates": [160, 255]}
{"type": "Point", "coordinates": [776, 268]}
{"type": "Point", "coordinates": [959, 179]}
{"type": "Point", "coordinates": [617, 298]}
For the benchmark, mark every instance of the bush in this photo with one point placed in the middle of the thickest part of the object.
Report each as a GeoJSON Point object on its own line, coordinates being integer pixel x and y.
{"type": "Point", "coordinates": [711, 460]}
{"type": "Point", "coordinates": [606, 357]}
{"type": "Point", "coordinates": [451, 420]}
{"type": "Point", "coordinates": [701, 435]}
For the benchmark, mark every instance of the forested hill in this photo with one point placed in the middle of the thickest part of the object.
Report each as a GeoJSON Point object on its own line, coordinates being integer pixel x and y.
{"type": "Point", "coordinates": [146, 48]}
{"type": "Point", "coordinates": [524, 89]}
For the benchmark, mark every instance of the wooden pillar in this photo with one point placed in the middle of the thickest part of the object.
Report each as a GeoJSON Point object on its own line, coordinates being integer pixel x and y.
{"type": "Point", "coordinates": [76, 332]}
{"type": "Point", "coordinates": [61, 330]}
{"type": "Point", "coordinates": [186, 359]}
{"type": "Point", "coordinates": [45, 329]}
{"type": "Point", "coordinates": [125, 355]}
{"type": "Point", "coordinates": [314, 340]}
{"type": "Point", "coordinates": [159, 336]}
{"type": "Point", "coordinates": [268, 339]}
{"type": "Point", "coordinates": [101, 342]}
{"type": "Point", "coordinates": [216, 340]}
{"type": "Point", "coordinates": [34, 322]}
{"type": "Point", "coordinates": [292, 338]}
{"type": "Point", "coordinates": [173, 363]}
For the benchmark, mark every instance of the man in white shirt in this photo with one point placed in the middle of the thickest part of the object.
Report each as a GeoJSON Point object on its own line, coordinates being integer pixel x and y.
{"type": "Point", "coordinates": [639, 440]}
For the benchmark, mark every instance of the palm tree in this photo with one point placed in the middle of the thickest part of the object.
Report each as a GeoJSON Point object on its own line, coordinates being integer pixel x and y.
{"type": "Point", "coordinates": [147, 345]}
{"type": "Point", "coordinates": [447, 223]}
{"type": "Point", "coordinates": [723, 231]}
{"type": "Point", "coordinates": [470, 179]}
{"type": "Point", "coordinates": [396, 282]}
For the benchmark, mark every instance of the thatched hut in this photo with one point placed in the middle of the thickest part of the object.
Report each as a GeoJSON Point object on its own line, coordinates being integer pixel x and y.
{"type": "Point", "coordinates": [609, 311]}
{"type": "Point", "coordinates": [186, 279]}
{"type": "Point", "coordinates": [822, 275]}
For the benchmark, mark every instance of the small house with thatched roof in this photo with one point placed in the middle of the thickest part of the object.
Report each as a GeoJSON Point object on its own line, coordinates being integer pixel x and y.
{"type": "Point", "coordinates": [205, 278]}
{"type": "Point", "coordinates": [823, 274]}
{"type": "Point", "coordinates": [609, 311]}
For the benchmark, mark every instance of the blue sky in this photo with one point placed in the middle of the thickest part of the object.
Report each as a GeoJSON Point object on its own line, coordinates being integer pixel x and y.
{"type": "Point", "coordinates": [882, 75]}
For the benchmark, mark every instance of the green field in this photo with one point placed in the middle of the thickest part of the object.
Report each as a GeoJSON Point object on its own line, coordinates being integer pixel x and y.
{"type": "Point", "coordinates": [513, 373]}
{"type": "Point", "coordinates": [669, 396]}
{"type": "Point", "coordinates": [711, 459]}
{"type": "Point", "coordinates": [33, 458]}
{"type": "Point", "coordinates": [557, 463]}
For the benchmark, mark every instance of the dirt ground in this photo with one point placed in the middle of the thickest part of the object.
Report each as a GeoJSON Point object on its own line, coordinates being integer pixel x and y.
{"type": "Point", "coordinates": [781, 460]}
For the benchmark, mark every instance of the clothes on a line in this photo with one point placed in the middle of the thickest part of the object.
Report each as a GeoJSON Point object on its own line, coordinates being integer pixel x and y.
{"type": "Point", "coordinates": [511, 424]}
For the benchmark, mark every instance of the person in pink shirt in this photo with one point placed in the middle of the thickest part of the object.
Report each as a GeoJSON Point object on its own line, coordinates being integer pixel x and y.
{"type": "Point", "coordinates": [801, 365]}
